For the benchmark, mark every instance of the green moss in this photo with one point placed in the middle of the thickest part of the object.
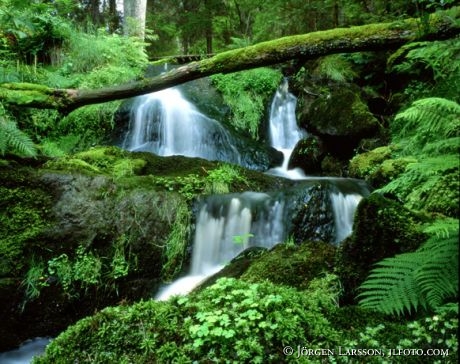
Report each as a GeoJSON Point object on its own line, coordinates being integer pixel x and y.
{"type": "Point", "coordinates": [24, 217]}
{"type": "Point", "coordinates": [28, 94]}
{"type": "Point", "coordinates": [292, 265]}
{"type": "Point", "coordinates": [342, 113]}
{"type": "Point", "coordinates": [443, 196]}
{"type": "Point", "coordinates": [378, 166]}
{"type": "Point", "coordinates": [128, 167]}
{"type": "Point", "coordinates": [72, 164]}
{"type": "Point", "coordinates": [362, 165]}
{"type": "Point", "coordinates": [319, 43]}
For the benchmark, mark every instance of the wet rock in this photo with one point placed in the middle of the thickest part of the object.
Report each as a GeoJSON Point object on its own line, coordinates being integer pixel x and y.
{"type": "Point", "coordinates": [308, 154]}
{"type": "Point", "coordinates": [341, 118]}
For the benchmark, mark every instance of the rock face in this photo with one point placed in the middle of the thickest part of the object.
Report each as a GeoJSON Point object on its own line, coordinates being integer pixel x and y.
{"type": "Point", "coordinates": [308, 154]}
{"type": "Point", "coordinates": [340, 118]}
{"type": "Point", "coordinates": [65, 224]}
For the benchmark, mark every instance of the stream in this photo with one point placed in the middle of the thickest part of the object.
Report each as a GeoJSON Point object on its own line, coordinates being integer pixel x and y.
{"type": "Point", "coordinates": [165, 123]}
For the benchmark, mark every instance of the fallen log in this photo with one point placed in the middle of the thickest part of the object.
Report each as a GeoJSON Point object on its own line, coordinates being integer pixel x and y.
{"type": "Point", "coordinates": [371, 37]}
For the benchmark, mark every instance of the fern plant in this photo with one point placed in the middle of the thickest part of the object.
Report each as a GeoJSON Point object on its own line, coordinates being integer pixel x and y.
{"type": "Point", "coordinates": [428, 130]}
{"type": "Point", "coordinates": [13, 140]}
{"type": "Point", "coordinates": [427, 120]}
{"type": "Point", "coordinates": [425, 278]}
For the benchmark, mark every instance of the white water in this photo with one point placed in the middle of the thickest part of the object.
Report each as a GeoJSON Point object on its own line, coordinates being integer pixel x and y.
{"type": "Point", "coordinates": [284, 133]}
{"type": "Point", "coordinates": [165, 123]}
{"type": "Point", "coordinates": [344, 207]}
{"type": "Point", "coordinates": [25, 353]}
{"type": "Point", "coordinates": [227, 225]}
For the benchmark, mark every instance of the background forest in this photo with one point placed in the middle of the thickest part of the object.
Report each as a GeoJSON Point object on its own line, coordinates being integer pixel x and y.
{"type": "Point", "coordinates": [393, 284]}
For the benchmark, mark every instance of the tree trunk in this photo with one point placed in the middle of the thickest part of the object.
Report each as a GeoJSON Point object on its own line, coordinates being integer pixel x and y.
{"type": "Point", "coordinates": [134, 12]}
{"type": "Point", "coordinates": [307, 46]}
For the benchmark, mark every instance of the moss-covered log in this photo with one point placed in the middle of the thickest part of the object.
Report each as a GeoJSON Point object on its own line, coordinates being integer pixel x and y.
{"type": "Point", "coordinates": [307, 46]}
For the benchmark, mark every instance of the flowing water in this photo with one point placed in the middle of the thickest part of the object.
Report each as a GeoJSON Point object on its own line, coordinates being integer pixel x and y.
{"type": "Point", "coordinates": [284, 134]}
{"type": "Point", "coordinates": [25, 352]}
{"type": "Point", "coordinates": [228, 224]}
{"type": "Point", "coordinates": [165, 123]}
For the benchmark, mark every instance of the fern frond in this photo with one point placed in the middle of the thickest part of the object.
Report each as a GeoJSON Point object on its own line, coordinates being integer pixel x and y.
{"type": "Point", "coordinates": [438, 277]}
{"type": "Point", "coordinates": [443, 228]}
{"type": "Point", "coordinates": [391, 288]}
{"type": "Point", "coordinates": [443, 146]}
{"type": "Point", "coordinates": [335, 68]}
{"type": "Point", "coordinates": [427, 277]}
{"type": "Point", "coordinates": [428, 120]}
{"type": "Point", "coordinates": [14, 140]}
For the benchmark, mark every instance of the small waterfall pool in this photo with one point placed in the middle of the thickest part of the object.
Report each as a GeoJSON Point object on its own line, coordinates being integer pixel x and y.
{"type": "Point", "coordinates": [25, 353]}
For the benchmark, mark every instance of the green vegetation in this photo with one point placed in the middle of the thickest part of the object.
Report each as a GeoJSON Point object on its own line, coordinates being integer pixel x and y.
{"type": "Point", "coordinates": [427, 277]}
{"type": "Point", "coordinates": [13, 140]}
{"type": "Point", "coordinates": [428, 131]}
{"type": "Point", "coordinates": [176, 244]}
{"type": "Point", "coordinates": [87, 225]}
{"type": "Point", "coordinates": [247, 94]}
{"type": "Point", "coordinates": [232, 321]}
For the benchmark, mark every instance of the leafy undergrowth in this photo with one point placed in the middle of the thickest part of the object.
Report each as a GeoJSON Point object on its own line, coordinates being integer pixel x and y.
{"type": "Point", "coordinates": [238, 322]}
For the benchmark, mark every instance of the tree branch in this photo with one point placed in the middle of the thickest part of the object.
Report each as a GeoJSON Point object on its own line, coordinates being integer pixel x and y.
{"type": "Point", "coordinates": [370, 37]}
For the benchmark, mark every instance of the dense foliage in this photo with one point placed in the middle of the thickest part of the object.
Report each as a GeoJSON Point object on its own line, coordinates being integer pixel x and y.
{"type": "Point", "coordinates": [405, 241]}
{"type": "Point", "coordinates": [235, 322]}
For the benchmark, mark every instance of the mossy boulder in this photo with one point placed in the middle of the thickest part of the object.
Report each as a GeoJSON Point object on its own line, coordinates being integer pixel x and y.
{"type": "Point", "coordinates": [307, 155]}
{"type": "Point", "coordinates": [292, 265]}
{"type": "Point", "coordinates": [333, 166]}
{"type": "Point", "coordinates": [236, 267]}
{"type": "Point", "coordinates": [54, 223]}
{"type": "Point", "coordinates": [382, 228]}
{"type": "Point", "coordinates": [362, 165]}
{"type": "Point", "coordinates": [443, 197]}
{"type": "Point", "coordinates": [378, 167]}
{"type": "Point", "coordinates": [341, 118]}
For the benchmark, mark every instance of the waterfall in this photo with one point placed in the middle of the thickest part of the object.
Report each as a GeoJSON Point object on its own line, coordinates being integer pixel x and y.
{"type": "Point", "coordinates": [165, 123]}
{"type": "Point", "coordinates": [284, 133]}
{"type": "Point", "coordinates": [227, 225]}
{"type": "Point", "coordinates": [344, 207]}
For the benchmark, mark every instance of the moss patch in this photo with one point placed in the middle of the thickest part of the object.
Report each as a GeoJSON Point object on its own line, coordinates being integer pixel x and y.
{"type": "Point", "coordinates": [25, 214]}
{"type": "Point", "coordinates": [292, 265]}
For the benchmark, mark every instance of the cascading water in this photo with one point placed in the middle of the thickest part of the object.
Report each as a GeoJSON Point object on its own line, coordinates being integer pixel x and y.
{"type": "Point", "coordinates": [284, 133]}
{"type": "Point", "coordinates": [227, 225]}
{"type": "Point", "coordinates": [165, 123]}
{"type": "Point", "coordinates": [344, 207]}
